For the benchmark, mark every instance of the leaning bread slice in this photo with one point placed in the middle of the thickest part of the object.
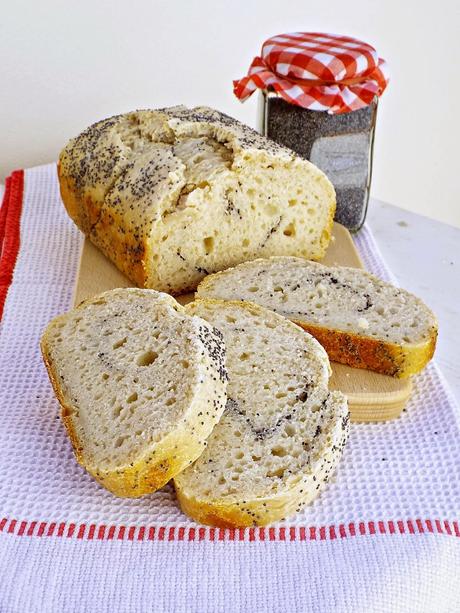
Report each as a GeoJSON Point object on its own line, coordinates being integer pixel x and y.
{"type": "Point", "coordinates": [282, 432]}
{"type": "Point", "coordinates": [359, 319]}
{"type": "Point", "coordinates": [141, 385]}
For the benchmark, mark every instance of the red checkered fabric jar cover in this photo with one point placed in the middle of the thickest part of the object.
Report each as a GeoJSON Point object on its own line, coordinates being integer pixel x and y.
{"type": "Point", "coordinates": [321, 72]}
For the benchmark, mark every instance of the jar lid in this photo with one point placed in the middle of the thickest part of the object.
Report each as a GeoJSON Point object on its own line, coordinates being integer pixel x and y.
{"type": "Point", "coordinates": [321, 72]}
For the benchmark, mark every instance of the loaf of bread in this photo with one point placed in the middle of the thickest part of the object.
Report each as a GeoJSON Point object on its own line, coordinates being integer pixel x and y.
{"type": "Point", "coordinates": [282, 432]}
{"type": "Point", "coordinates": [141, 385]}
{"type": "Point", "coordinates": [359, 319]}
{"type": "Point", "coordinates": [175, 194]}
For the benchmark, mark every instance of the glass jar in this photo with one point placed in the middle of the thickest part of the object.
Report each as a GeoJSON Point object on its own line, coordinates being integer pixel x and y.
{"type": "Point", "coordinates": [340, 145]}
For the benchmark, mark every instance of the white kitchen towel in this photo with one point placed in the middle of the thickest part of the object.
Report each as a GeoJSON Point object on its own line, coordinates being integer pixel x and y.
{"type": "Point", "coordinates": [382, 537]}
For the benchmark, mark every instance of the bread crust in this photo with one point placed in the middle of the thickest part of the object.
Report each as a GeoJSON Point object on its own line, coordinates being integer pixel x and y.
{"type": "Point", "coordinates": [400, 361]}
{"type": "Point", "coordinates": [128, 256]}
{"type": "Point", "coordinates": [222, 514]}
{"type": "Point", "coordinates": [172, 454]}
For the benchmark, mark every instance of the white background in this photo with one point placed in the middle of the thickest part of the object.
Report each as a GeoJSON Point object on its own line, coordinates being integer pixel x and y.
{"type": "Point", "coordinates": [65, 65]}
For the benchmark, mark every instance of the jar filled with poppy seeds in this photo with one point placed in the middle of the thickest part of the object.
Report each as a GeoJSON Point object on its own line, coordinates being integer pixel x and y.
{"type": "Point", "coordinates": [319, 97]}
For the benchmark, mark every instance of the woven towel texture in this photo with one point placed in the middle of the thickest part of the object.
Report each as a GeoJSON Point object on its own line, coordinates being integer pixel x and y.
{"type": "Point", "coordinates": [403, 470]}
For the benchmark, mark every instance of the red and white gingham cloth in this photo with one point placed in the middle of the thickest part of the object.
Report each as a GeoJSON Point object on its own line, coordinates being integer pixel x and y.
{"type": "Point", "coordinates": [321, 72]}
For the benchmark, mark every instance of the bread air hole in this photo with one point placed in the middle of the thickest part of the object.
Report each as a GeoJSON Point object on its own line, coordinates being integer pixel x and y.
{"type": "Point", "coordinates": [120, 440]}
{"type": "Point", "coordinates": [185, 364]}
{"type": "Point", "coordinates": [253, 289]}
{"type": "Point", "coordinates": [276, 473]}
{"type": "Point", "coordinates": [132, 398]}
{"type": "Point", "coordinates": [208, 243]}
{"type": "Point", "coordinates": [105, 376]}
{"type": "Point", "coordinates": [119, 343]}
{"type": "Point", "coordinates": [170, 401]}
{"type": "Point", "coordinates": [230, 319]}
{"type": "Point", "coordinates": [289, 230]}
{"type": "Point", "coordinates": [279, 452]}
{"type": "Point", "coordinates": [147, 358]}
{"type": "Point", "coordinates": [244, 356]}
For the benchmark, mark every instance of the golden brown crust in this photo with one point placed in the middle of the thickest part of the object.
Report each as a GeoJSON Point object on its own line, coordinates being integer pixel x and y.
{"type": "Point", "coordinates": [100, 226]}
{"type": "Point", "coordinates": [215, 514]}
{"type": "Point", "coordinates": [84, 214]}
{"type": "Point", "coordinates": [399, 361]}
{"type": "Point", "coordinates": [227, 515]}
{"type": "Point", "coordinates": [127, 253]}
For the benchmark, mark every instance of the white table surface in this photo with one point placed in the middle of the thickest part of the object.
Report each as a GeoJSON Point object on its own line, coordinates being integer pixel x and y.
{"type": "Point", "coordinates": [424, 255]}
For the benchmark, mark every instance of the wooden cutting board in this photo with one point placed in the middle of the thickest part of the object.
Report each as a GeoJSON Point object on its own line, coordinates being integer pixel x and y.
{"type": "Point", "coordinates": [371, 396]}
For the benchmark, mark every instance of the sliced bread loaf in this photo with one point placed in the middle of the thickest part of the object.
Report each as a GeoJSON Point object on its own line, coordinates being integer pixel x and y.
{"type": "Point", "coordinates": [282, 432]}
{"type": "Point", "coordinates": [173, 194]}
{"type": "Point", "coordinates": [141, 385]}
{"type": "Point", "coordinates": [359, 319]}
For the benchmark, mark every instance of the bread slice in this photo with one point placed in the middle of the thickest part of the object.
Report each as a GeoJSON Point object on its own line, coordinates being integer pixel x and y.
{"type": "Point", "coordinates": [141, 385]}
{"type": "Point", "coordinates": [174, 194]}
{"type": "Point", "coordinates": [359, 319]}
{"type": "Point", "coordinates": [282, 432]}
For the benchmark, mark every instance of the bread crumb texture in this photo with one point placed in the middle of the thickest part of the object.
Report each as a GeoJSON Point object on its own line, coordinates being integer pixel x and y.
{"type": "Point", "coordinates": [141, 385]}
{"type": "Point", "coordinates": [174, 194]}
{"type": "Point", "coordinates": [360, 320]}
{"type": "Point", "coordinates": [282, 432]}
